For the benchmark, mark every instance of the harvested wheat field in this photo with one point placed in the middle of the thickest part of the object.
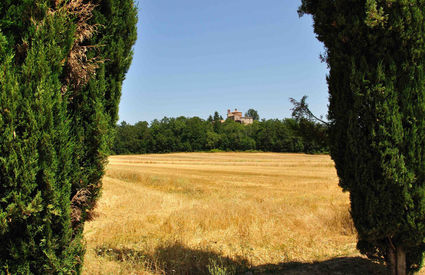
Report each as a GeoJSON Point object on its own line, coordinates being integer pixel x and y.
{"type": "Point", "coordinates": [223, 213]}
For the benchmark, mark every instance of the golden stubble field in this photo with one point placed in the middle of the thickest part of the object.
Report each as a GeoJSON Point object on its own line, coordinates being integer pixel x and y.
{"type": "Point", "coordinates": [201, 213]}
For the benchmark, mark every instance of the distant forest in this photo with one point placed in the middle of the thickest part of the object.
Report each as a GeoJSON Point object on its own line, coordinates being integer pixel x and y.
{"type": "Point", "coordinates": [194, 134]}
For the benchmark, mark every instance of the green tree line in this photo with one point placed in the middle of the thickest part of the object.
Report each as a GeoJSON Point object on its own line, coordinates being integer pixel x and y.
{"type": "Point", "coordinates": [183, 134]}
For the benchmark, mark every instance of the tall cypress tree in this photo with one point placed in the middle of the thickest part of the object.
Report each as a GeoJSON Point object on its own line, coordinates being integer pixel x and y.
{"type": "Point", "coordinates": [94, 107]}
{"type": "Point", "coordinates": [55, 122]}
{"type": "Point", "coordinates": [35, 226]}
{"type": "Point", "coordinates": [376, 54]}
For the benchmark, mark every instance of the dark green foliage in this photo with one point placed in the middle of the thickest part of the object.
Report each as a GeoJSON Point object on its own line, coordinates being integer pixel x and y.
{"type": "Point", "coordinates": [314, 130]}
{"type": "Point", "coordinates": [217, 122]}
{"type": "Point", "coordinates": [376, 55]}
{"type": "Point", "coordinates": [35, 154]}
{"type": "Point", "coordinates": [94, 108]}
{"type": "Point", "coordinates": [194, 134]}
{"type": "Point", "coordinates": [53, 136]}
{"type": "Point", "coordinates": [252, 113]}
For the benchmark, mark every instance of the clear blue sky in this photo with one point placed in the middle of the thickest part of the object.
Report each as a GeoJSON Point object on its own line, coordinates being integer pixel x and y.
{"type": "Point", "coordinates": [194, 57]}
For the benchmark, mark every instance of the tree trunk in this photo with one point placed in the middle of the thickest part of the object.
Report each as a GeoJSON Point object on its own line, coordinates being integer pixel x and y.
{"type": "Point", "coordinates": [397, 260]}
{"type": "Point", "coordinates": [392, 260]}
{"type": "Point", "coordinates": [401, 261]}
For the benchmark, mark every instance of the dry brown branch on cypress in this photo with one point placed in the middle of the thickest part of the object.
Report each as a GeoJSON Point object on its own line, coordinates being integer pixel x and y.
{"type": "Point", "coordinates": [79, 69]}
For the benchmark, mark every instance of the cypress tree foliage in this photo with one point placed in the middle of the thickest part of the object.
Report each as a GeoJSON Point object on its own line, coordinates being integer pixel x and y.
{"type": "Point", "coordinates": [376, 54]}
{"type": "Point", "coordinates": [58, 100]}
{"type": "Point", "coordinates": [94, 107]}
{"type": "Point", "coordinates": [35, 226]}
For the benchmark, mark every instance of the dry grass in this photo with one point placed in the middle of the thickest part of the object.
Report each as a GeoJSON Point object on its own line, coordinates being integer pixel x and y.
{"type": "Point", "coordinates": [189, 213]}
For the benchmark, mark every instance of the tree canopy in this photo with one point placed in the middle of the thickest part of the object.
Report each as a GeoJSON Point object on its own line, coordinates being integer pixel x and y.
{"type": "Point", "coordinates": [376, 56]}
{"type": "Point", "coordinates": [252, 113]}
{"type": "Point", "coordinates": [183, 134]}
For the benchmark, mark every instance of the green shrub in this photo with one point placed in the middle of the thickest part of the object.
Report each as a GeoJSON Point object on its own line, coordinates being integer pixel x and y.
{"type": "Point", "coordinates": [218, 268]}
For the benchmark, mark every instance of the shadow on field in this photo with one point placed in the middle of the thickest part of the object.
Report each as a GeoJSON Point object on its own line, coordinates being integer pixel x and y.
{"type": "Point", "coordinates": [341, 265]}
{"type": "Point", "coordinates": [178, 259]}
